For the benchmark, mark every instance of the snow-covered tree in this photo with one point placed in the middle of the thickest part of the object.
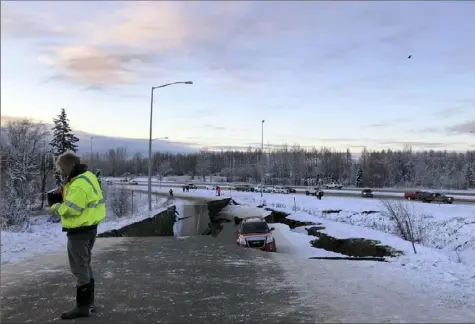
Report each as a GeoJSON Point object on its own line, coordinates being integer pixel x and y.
{"type": "Point", "coordinates": [120, 201]}
{"type": "Point", "coordinates": [22, 151]}
{"type": "Point", "coordinates": [63, 137]}
{"type": "Point", "coordinates": [469, 180]}
{"type": "Point", "coordinates": [203, 164]}
{"type": "Point", "coordinates": [359, 178]}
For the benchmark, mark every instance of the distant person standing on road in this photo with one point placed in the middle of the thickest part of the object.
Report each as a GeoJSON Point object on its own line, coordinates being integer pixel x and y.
{"type": "Point", "coordinates": [81, 210]}
{"type": "Point", "coordinates": [218, 190]}
{"type": "Point", "coordinates": [171, 192]}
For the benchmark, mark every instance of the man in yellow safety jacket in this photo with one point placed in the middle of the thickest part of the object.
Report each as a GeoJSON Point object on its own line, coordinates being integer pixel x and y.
{"type": "Point", "coordinates": [81, 210]}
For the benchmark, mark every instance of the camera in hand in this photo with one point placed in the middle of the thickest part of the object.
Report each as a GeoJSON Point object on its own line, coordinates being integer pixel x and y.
{"type": "Point", "coordinates": [54, 197]}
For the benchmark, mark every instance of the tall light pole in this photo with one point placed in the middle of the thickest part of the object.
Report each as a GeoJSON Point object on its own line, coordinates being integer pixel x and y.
{"type": "Point", "coordinates": [150, 140]}
{"type": "Point", "coordinates": [262, 155]}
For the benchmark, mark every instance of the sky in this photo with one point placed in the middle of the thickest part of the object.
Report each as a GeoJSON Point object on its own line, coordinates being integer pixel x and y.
{"type": "Point", "coordinates": [334, 74]}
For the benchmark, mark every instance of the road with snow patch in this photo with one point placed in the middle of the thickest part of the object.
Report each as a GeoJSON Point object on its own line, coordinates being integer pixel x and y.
{"type": "Point", "coordinates": [205, 279]}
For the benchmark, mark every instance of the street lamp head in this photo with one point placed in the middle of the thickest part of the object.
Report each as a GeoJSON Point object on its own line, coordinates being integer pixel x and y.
{"type": "Point", "coordinates": [263, 120]}
{"type": "Point", "coordinates": [188, 82]}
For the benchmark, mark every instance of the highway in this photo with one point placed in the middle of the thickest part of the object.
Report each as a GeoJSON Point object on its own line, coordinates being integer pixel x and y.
{"type": "Point", "coordinates": [200, 184]}
{"type": "Point", "coordinates": [458, 199]}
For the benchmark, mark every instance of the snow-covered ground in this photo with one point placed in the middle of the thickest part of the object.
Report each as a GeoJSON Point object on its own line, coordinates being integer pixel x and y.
{"type": "Point", "coordinates": [437, 261]}
{"type": "Point", "coordinates": [44, 236]}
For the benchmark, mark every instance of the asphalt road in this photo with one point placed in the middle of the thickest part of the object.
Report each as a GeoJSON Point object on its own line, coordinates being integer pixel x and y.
{"type": "Point", "coordinates": [165, 280]}
{"type": "Point", "coordinates": [201, 279]}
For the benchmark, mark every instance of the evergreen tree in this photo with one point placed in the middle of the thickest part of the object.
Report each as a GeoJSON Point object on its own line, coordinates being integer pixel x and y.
{"type": "Point", "coordinates": [63, 137]}
{"type": "Point", "coordinates": [468, 176]}
{"type": "Point", "coordinates": [359, 178]}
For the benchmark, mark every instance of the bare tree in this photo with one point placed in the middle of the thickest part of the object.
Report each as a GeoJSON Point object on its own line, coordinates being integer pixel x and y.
{"type": "Point", "coordinates": [407, 223]}
{"type": "Point", "coordinates": [203, 164]}
{"type": "Point", "coordinates": [46, 170]}
{"type": "Point", "coordinates": [120, 201]}
{"type": "Point", "coordinates": [163, 169]}
{"type": "Point", "coordinates": [22, 153]}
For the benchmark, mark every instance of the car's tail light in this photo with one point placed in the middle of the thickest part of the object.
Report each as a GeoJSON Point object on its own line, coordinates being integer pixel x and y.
{"type": "Point", "coordinates": [269, 239]}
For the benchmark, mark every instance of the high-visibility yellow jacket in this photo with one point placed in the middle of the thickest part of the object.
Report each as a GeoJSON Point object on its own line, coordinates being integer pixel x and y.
{"type": "Point", "coordinates": [83, 204]}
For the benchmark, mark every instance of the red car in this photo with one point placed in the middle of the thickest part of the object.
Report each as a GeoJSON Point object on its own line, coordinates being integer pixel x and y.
{"type": "Point", "coordinates": [254, 233]}
{"type": "Point", "coordinates": [415, 195]}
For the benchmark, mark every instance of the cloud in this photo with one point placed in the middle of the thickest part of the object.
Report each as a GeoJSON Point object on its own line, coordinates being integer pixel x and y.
{"type": "Point", "coordinates": [96, 67]}
{"type": "Point", "coordinates": [214, 127]}
{"type": "Point", "coordinates": [464, 128]}
{"type": "Point", "coordinates": [4, 120]}
{"type": "Point", "coordinates": [388, 123]}
{"type": "Point", "coordinates": [21, 25]}
{"type": "Point", "coordinates": [427, 130]}
{"type": "Point", "coordinates": [229, 41]}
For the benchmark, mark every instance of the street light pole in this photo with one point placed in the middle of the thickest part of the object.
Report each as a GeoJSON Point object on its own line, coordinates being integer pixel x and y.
{"type": "Point", "coordinates": [150, 140]}
{"type": "Point", "coordinates": [262, 155]}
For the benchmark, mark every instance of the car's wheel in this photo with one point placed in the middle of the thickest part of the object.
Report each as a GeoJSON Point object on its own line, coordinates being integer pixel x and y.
{"type": "Point", "coordinates": [307, 193]}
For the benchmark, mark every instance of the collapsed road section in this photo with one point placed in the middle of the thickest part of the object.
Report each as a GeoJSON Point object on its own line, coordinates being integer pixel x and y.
{"type": "Point", "coordinates": [359, 249]}
{"type": "Point", "coordinates": [190, 218]}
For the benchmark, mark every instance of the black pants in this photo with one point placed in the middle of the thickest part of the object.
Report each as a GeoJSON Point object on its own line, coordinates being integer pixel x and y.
{"type": "Point", "coordinates": [80, 254]}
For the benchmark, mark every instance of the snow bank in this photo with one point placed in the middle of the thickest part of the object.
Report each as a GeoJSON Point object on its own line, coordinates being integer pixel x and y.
{"type": "Point", "coordinates": [437, 263]}
{"type": "Point", "coordinates": [44, 236]}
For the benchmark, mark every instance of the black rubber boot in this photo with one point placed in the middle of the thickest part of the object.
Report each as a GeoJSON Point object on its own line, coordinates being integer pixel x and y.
{"type": "Point", "coordinates": [83, 294]}
{"type": "Point", "coordinates": [92, 306]}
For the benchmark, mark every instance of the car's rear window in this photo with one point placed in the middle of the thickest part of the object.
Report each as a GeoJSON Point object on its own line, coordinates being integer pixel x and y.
{"type": "Point", "coordinates": [254, 228]}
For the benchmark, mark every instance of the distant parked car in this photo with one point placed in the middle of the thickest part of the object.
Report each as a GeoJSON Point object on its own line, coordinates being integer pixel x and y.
{"type": "Point", "coordinates": [429, 197]}
{"type": "Point", "coordinates": [268, 189]}
{"type": "Point", "coordinates": [290, 189]}
{"type": "Point", "coordinates": [133, 182]}
{"type": "Point", "coordinates": [254, 233]}
{"type": "Point", "coordinates": [313, 191]}
{"type": "Point", "coordinates": [367, 193]}
{"type": "Point", "coordinates": [415, 195]}
{"type": "Point", "coordinates": [124, 180]}
{"type": "Point", "coordinates": [108, 182]}
{"type": "Point", "coordinates": [333, 185]}
{"type": "Point", "coordinates": [192, 186]}
{"type": "Point", "coordinates": [282, 190]}
{"type": "Point", "coordinates": [245, 188]}
{"type": "Point", "coordinates": [258, 189]}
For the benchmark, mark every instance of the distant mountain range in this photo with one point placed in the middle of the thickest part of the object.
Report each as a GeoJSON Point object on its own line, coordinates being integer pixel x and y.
{"type": "Point", "coordinates": [101, 143]}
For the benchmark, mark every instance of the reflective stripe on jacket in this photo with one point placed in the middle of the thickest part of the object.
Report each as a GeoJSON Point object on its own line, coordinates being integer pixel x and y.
{"type": "Point", "coordinates": [83, 203]}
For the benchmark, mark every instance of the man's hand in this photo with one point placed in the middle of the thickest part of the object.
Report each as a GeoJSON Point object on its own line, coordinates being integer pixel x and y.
{"type": "Point", "coordinates": [59, 191]}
